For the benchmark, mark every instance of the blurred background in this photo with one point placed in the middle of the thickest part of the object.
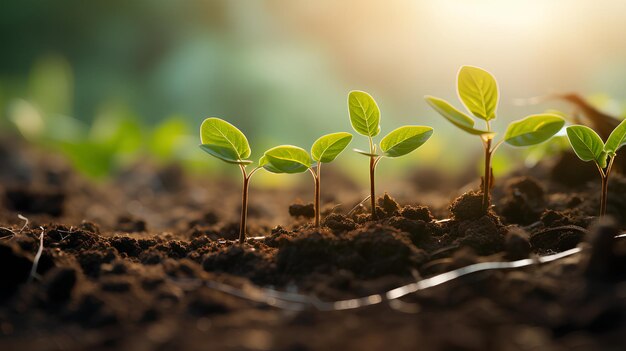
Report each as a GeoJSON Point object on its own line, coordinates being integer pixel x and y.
{"type": "Point", "coordinates": [108, 82]}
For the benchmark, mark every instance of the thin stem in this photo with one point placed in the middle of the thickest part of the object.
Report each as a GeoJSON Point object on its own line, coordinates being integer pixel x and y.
{"type": "Point", "coordinates": [244, 205]}
{"type": "Point", "coordinates": [373, 161]}
{"type": "Point", "coordinates": [316, 179]}
{"type": "Point", "coordinates": [605, 186]}
{"type": "Point", "coordinates": [487, 176]}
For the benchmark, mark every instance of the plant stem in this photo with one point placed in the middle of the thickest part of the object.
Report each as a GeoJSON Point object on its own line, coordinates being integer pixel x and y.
{"type": "Point", "coordinates": [373, 163]}
{"type": "Point", "coordinates": [316, 179]}
{"type": "Point", "coordinates": [605, 186]}
{"type": "Point", "coordinates": [244, 202]}
{"type": "Point", "coordinates": [487, 176]}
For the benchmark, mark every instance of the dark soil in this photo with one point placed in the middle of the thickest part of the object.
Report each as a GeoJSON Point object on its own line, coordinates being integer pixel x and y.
{"type": "Point", "coordinates": [125, 264]}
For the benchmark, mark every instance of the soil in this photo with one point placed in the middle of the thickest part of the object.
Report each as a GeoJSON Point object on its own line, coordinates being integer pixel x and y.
{"type": "Point", "coordinates": [128, 264]}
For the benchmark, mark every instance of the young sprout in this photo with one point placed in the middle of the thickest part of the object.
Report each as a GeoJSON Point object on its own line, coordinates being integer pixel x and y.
{"type": "Point", "coordinates": [292, 159]}
{"type": "Point", "coordinates": [365, 119]}
{"type": "Point", "coordinates": [588, 146]}
{"type": "Point", "coordinates": [227, 143]}
{"type": "Point", "coordinates": [478, 92]}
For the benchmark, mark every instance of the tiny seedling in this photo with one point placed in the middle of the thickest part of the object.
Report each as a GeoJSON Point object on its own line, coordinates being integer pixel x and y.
{"type": "Point", "coordinates": [292, 159]}
{"type": "Point", "coordinates": [588, 146]}
{"type": "Point", "coordinates": [478, 91]}
{"type": "Point", "coordinates": [227, 143]}
{"type": "Point", "coordinates": [365, 119]}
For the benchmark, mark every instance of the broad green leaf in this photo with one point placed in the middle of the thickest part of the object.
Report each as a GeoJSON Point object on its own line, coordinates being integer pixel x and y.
{"type": "Point", "coordinates": [225, 141]}
{"type": "Point", "coordinates": [365, 153]}
{"type": "Point", "coordinates": [533, 129]}
{"type": "Point", "coordinates": [479, 92]}
{"type": "Point", "coordinates": [453, 115]}
{"type": "Point", "coordinates": [587, 144]}
{"type": "Point", "coordinates": [223, 153]}
{"type": "Point", "coordinates": [328, 147]}
{"type": "Point", "coordinates": [364, 113]}
{"type": "Point", "coordinates": [404, 140]}
{"type": "Point", "coordinates": [616, 140]}
{"type": "Point", "coordinates": [286, 159]}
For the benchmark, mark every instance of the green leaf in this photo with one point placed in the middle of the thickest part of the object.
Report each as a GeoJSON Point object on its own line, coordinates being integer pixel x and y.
{"type": "Point", "coordinates": [533, 129]}
{"type": "Point", "coordinates": [365, 153]}
{"type": "Point", "coordinates": [364, 113]}
{"type": "Point", "coordinates": [587, 144]}
{"type": "Point", "coordinates": [224, 141]}
{"type": "Point", "coordinates": [286, 159]}
{"type": "Point", "coordinates": [223, 153]}
{"type": "Point", "coordinates": [453, 115]}
{"type": "Point", "coordinates": [328, 147]}
{"type": "Point", "coordinates": [478, 90]}
{"type": "Point", "coordinates": [617, 139]}
{"type": "Point", "coordinates": [404, 140]}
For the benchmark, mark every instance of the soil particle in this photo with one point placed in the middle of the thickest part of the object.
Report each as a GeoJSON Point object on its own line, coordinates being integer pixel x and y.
{"type": "Point", "coordinates": [421, 213]}
{"type": "Point", "coordinates": [90, 261]}
{"type": "Point", "coordinates": [308, 252]}
{"type": "Point", "coordinates": [128, 224]}
{"type": "Point", "coordinates": [302, 210]}
{"type": "Point", "coordinates": [339, 223]}
{"type": "Point", "coordinates": [126, 246]}
{"type": "Point", "coordinates": [484, 236]}
{"type": "Point", "coordinates": [420, 232]}
{"type": "Point", "coordinates": [16, 269]}
{"type": "Point", "coordinates": [207, 219]}
{"type": "Point", "coordinates": [524, 201]}
{"type": "Point", "coordinates": [607, 257]}
{"type": "Point", "coordinates": [551, 218]}
{"type": "Point", "coordinates": [516, 244]}
{"type": "Point", "coordinates": [467, 206]}
{"type": "Point", "coordinates": [241, 261]}
{"type": "Point", "coordinates": [556, 239]}
{"type": "Point", "coordinates": [387, 207]}
{"type": "Point", "coordinates": [378, 250]}
{"type": "Point", "coordinates": [58, 284]}
{"type": "Point", "coordinates": [205, 302]}
{"type": "Point", "coordinates": [36, 200]}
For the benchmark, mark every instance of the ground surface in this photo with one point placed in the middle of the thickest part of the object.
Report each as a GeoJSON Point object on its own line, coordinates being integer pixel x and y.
{"type": "Point", "coordinates": [129, 264]}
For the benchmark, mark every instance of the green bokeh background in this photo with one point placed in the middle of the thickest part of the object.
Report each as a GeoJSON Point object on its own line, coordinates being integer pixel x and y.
{"type": "Point", "coordinates": [110, 82]}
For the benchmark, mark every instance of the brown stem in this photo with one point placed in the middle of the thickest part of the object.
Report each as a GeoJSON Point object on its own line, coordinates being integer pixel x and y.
{"type": "Point", "coordinates": [487, 176]}
{"type": "Point", "coordinates": [244, 207]}
{"type": "Point", "coordinates": [373, 186]}
{"type": "Point", "coordinates": [605, 186]}
{"type": "Point", "coordinates": [316, 179]}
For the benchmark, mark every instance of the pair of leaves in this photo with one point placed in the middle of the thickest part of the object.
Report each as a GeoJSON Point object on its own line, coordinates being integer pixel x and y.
{"type": "Point", "coordinates": [292, 159]}
{"type": "Point", "coordinates": [588, 145]}
{"type": "Point", "coordinates": [478, 90]}
{"type": "Point", "coordinates": [224, 141]}
{"type": "Point", "coordinates": [365, 119]}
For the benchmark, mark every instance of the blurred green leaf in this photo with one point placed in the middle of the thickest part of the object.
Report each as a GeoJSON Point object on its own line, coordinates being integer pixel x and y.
{"type": "Point", "coordinates": [533, 129]}
{"type": "Point", "coordinates": [479, 92]}
{"type": "Point", "coordinates": [405, 139]}
{"type": "Point", "coordinates": [364, 113]}
{"type": "Point", "coordinates": [328, 147]}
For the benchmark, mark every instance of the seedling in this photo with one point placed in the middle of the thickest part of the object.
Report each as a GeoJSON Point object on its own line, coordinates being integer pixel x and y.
{"type": "Point", "coordinates": [227, 143]}
{"type": "Point", "coordinates": [292, 159]}
{"type": "Point", "coordinates": [478, 91]}
{"type": "Point", "coordinates": [588, 146]}
{"type": "Point", "coordinates": [365, 119]}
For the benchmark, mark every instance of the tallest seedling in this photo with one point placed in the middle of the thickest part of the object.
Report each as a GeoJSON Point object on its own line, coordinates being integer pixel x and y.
{"type": "Point", "coordinates": [478, 91]}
